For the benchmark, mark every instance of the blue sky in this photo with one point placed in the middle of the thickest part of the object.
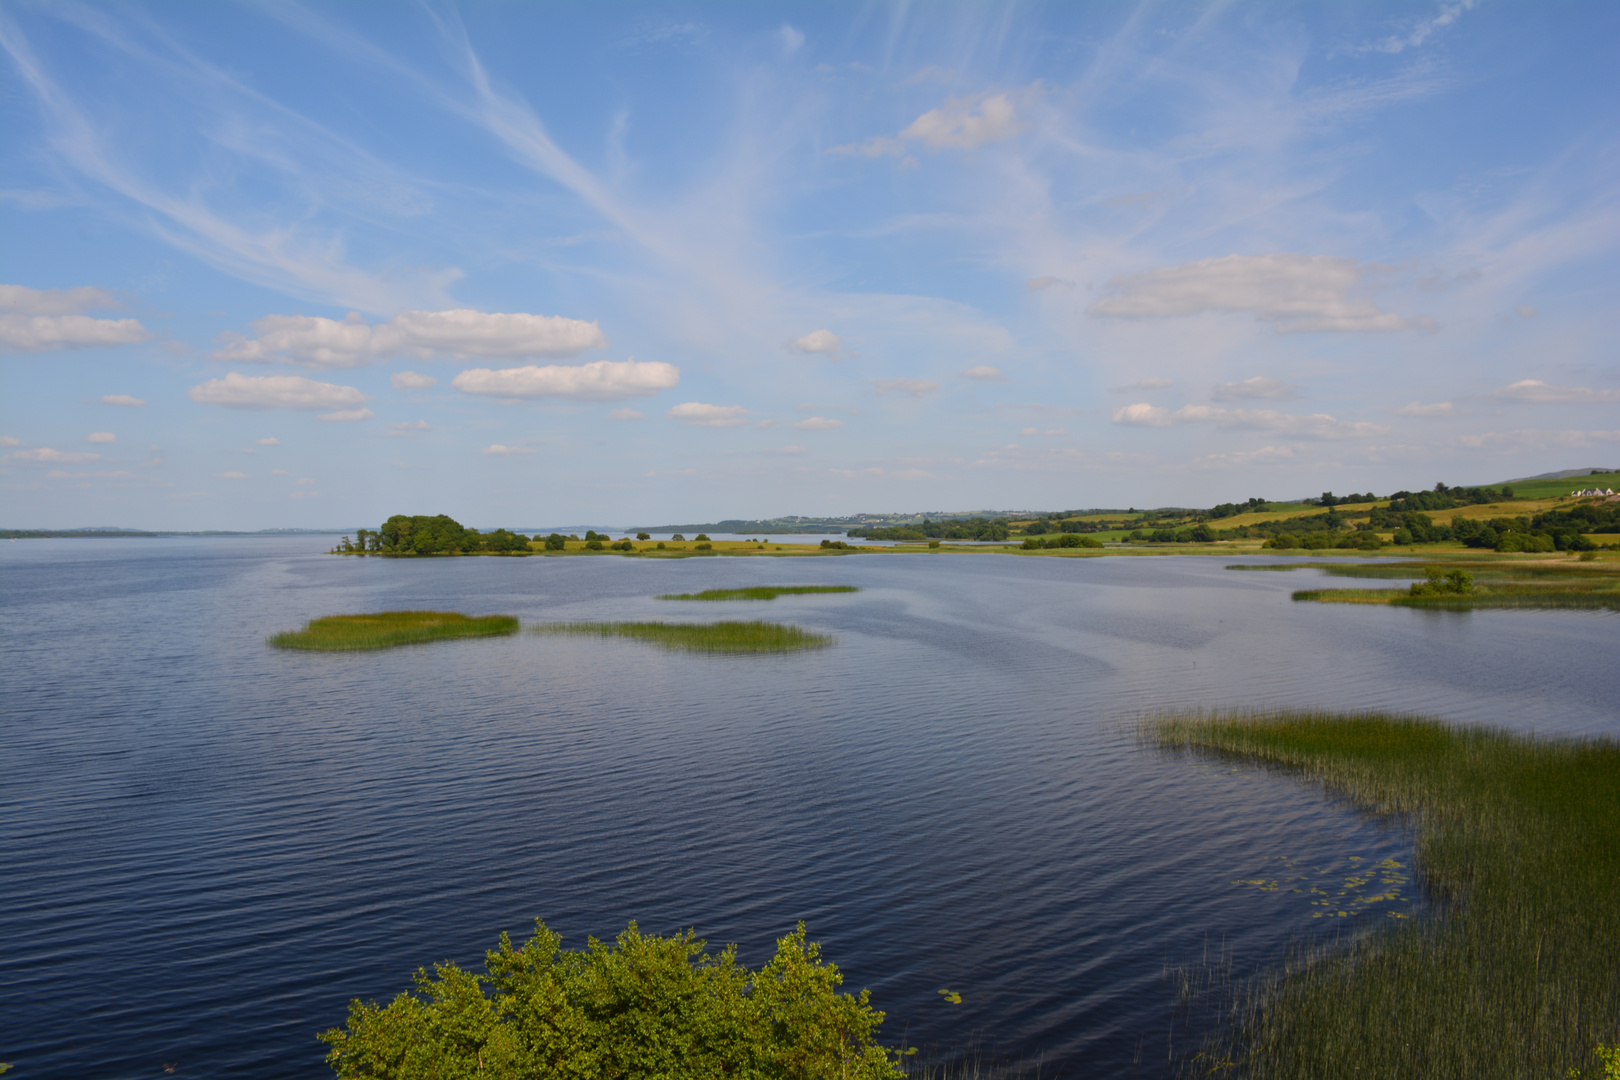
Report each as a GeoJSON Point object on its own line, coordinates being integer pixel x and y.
{"type": "Point", "coordinates": [281, 265]}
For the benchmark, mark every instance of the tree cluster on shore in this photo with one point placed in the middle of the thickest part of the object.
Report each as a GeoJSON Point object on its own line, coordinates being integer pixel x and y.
{"type": "Point", "coordinates": [975, 528]}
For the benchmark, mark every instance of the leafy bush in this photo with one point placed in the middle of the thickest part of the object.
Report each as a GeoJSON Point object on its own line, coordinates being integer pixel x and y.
{"type": "Point", "coordinates": [646, 1006]}
{"type": "Point", "coordinates": [593, 545]}
{"type": "Point", "coordinates": [1456, 583]}
{"type": "Point", "coordinates": [556, 542]}
{"type": "Point", "coordinates": [705, 546]}
{"type": "Point", "coordinates": [700, 536]}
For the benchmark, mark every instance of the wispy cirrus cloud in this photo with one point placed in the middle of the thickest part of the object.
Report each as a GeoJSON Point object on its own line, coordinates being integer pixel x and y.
{"type": "Point", "coordinates": [1536, 392]}
{"type": "Point", "coordinates": [1295, 293]}
{"type": "Point", "coordinates": [909, 387]}
{"type": "Point", "coordinates": [699, 414]}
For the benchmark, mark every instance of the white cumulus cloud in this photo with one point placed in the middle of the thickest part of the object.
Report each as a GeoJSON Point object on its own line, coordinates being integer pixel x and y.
{"type": "Point", "coordinates": [410, 380]}
{"type": "Point", "coordinates": [1295, 293]}
{"type": "Point", "coordinates": [600, 380]}
{"type": "Point", "coordinates": [818, 423]}
{"type": "Point", "coordinates": [44, 455]}
{"type": "Point", "coordinates": [1144, 384]}
{"type": "Point", "coordinates": [10, 440]}
{"type": "Point", "coordinates": [232, 475]}
{"type": "Point", "coordinates": [824, 342]}
{"type": "Point", "coordinates": [1313, 426]}
{"type": "Point", "coordinates": [1143, 414]}
{"type": "Point", "coordinates": [1255, 388]}
{"type": "Point", "coordinates": [275, 392]}
{"type": "Point", "coordinates": [47, 333]}
{"type": "Point", "coordinates": [984, 372]}
{"type": "Point", "coordinates": [1540, 393]}
{"type": "Point", "coordinates": [909, 387]}
{"type": "Point", "coordinates": [626, 414]}
{"type": "Point", "coordinates": [271, 441]}
{"type": "Point", "coordinates": [497, 450]}
{"type": "Point", "coordinates": [966, 123]}
{"type": "Point", "coordinates": [122, 399]}
{"type": "Point", "coordinates": [44, 320]}
{"type": "Point", "coordinates": [316, 342]}
{"type": "Point", "coordinates": [101, 437]}
{"type": "Point", "coordinates": [1036, 284]}
{"type": "Point", "coordinates": [346, 415]}
{"type": "Point", "coordinates": [701, 415]}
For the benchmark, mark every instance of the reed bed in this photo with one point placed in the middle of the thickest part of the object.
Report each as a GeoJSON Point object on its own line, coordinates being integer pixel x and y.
{"type": "Point", "coordinates": [1516, 976]}
{"type": "Point", "coordinates": [386, 629]}
{"type": "Point", "coordinates": [760, 592]}
{"type": "Point", "coordinates": [717, 637]}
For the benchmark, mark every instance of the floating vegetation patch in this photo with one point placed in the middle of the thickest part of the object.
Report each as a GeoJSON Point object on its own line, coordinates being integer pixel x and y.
{"type": "Point", "coordinates": [1331, 891]}
{"type": "Point", "coordinates": [718, 637]}
{"type": "Point", "coordinates": [385, 629]}
{"type": "Point", "coordinates": [1514, 975]}
{"type": "Point", "coordinates": [760, 592]}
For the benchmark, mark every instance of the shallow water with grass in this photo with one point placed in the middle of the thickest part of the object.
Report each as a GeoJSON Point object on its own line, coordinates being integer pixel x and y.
{"type": "Point", "coordinates": [734, 638]}
{"type": "Point", "coordinates": [388, 629]}
{"type": "Point", "coordinates": [211, 845]}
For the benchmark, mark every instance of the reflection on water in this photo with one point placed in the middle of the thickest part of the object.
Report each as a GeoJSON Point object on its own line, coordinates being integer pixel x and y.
{"type": "Point", "coordinates": [210, 846]}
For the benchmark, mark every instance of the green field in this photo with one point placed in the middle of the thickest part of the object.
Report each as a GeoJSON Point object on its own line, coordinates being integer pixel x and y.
{"type": "Point", "coordinates": [719, 637]}
{"type": "Point", "coordinates": [1552, 489]}
{"type": "Point", "coordinates": [1517, 972]}
{"type": "Point", "coordinates": [760, 592]}
{"type": "Point", "coordinates": [385, 629]}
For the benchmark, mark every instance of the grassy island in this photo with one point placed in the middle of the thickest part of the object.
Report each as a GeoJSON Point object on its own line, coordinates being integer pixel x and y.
{"type": "Point", "coordinates": [1516, 974]}
{"type": "Point", "coordinates": [719, 637]}
{"type": "Point", "coordinates": [760, 592]}
{"type": "Point", "coordinates": [1466, 584]}
{"type": "Point", "coordinates": [385, 629]}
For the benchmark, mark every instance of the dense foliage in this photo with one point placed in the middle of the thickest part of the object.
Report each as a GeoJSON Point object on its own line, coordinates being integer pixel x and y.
{"type": "Point", "coordinates": [975, 528]}
{"type": "Point", "coordinates": [644, 1007]}
{"type": "Point", "coordinates": [1447, 498]}
{"type": "Point", "coordinates": [439, 534]}
{"type": "Point", "coordinates": [1067, 540]}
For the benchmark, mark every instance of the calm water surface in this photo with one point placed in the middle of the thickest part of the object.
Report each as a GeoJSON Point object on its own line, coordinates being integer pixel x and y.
{"type": "Point", "coordinates": [208, 847]}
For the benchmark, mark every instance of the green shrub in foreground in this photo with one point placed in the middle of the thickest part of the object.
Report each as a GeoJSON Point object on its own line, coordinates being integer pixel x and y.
{"type": "Point", "coordinates": [644, 1007]}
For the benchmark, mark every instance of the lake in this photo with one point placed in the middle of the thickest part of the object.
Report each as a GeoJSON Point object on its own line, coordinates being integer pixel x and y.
{"type": "Point", "coordinates": [209, 846]}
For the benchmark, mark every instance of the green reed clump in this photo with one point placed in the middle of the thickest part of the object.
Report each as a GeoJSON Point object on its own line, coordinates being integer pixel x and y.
{"type": "Point", "coordinates": [385, 629]}
{"type": "Point", "coordinates": [718, 637]}
{"type": "Point", "coordinates": [1518, 975]}
{"type": "Point", "coordinates": [759, 592]}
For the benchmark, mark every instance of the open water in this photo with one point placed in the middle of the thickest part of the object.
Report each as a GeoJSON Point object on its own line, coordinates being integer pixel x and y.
{"type": "Point", "coordinates": [208, 846]}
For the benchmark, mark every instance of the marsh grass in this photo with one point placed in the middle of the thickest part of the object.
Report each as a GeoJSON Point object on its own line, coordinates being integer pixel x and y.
{"type": "Point", "coordinates": [386, 629]}
{"type": "Point", "coordinates": [760, 592]}
{"type": "Point", "coordinates": [1498, 584]}
{"type": "Point", "coordinates": [718, 637]}
{"type": "Point", "coordinates": [1517, 974]}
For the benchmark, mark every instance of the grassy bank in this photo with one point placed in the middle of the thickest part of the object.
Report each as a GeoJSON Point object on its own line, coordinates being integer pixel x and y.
{"type": "Point", "coordinates": [385, 629]}
{"type": "Point", "coordinates": [760, 592]}
{"type": "Point", "coordinates": [1517, 976]}
{"type": "Point", "coordinates": [1504, 582]}
{"type": "Point", "coordinates": [719, 637]}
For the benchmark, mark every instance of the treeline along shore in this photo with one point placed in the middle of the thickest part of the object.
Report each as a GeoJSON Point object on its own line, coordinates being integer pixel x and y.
{"type": "Point", "coordinates": [1533, 517]}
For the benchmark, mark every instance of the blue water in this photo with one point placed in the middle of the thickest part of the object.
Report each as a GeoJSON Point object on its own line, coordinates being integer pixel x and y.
{"type": "Point", "coordinates": [209, 846]}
